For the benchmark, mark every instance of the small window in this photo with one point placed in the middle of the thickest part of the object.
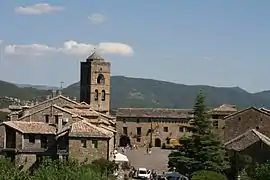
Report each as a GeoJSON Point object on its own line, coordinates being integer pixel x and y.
{"type": "Point", "coordinates": [181, 129]}
{"type": "Point", "coordinates": [138, 120]}
{"type": "Point", "coordinates": [32, 139]}
{"type": "Point", "coordinates": [83, 143]}
{"type": "Point", "coordinates": [138, 139]}
{"type": "Point", "coordinates": [149, 120]}
{"type": "Point", "coordinates": [47, 118]}
{"type": "Point", "coordinates": [124, 121]}
{"type": "Point", "coordinates": [165, 129]}
{"type": "Point", "coordinates": [215, 124]}
{"type": "Point", "coordinates": [103, 95]}
{"type": "Point", "coordinates": [56, 117]}
{"type": "Point", "coordinates": [96, 95]}
{"type": "Point", "coordinates": [125, 130]}
{"type": "Point", "coordinates": [215, 116]}
{"type": "Point", "coordinates": [94, 143]}
{"type": "Point", "coordinates": [239, 119]}
{"type": "Point", "coordinates": [257, 127]}
{"type": "Point", "coordinates": [101, 79]}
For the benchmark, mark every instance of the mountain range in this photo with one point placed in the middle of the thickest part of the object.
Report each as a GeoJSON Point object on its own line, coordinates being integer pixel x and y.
{"type": "Point", "coordinates": [138, 92]}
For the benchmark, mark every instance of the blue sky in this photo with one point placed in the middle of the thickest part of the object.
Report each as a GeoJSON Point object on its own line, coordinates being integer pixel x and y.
{"type": "Point", "coordinates": [220, 43]}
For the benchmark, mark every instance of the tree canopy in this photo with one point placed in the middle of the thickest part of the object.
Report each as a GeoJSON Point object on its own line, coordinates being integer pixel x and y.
{"type": "Point", "coordinates": [203, 150]}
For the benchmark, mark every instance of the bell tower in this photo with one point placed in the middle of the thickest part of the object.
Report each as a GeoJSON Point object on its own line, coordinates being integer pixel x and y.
{"type": "Point", "coordinates": [95, 83]}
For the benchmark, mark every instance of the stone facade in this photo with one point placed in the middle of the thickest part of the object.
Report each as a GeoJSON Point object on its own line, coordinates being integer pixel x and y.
{"type": "Point", "coordinates": [95, 83]}
{"type": "Point", "coordinates": [39, 132]}
{"type": "Point", "coordinates": [134, 125]}
{"type": "Point", "coordinates": [88, 149]}
{"type": "Point", "coordinates": [244, 120]}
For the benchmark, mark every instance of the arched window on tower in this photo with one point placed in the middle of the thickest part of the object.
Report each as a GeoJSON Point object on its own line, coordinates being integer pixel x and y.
{"type": "Point", "coordinates": [101, 79]}
{"type": "Point", "coordinates": [96, 94]}
{"type": "Point", "coordinates": [103, 95]}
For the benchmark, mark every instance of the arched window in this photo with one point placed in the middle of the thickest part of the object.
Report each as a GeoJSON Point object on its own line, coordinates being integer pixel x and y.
{"type": "Point", "coordinates": [96, 94]}
{"type": "Point", "coordinates": [103, 95]}
{"type": "Point", "coordinates": [101, 79]}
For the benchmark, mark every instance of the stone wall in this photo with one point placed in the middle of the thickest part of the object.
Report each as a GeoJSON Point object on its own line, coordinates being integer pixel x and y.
{"type": "Point", "coordinates": [243, 121]}
{"type": "Point", "coordinates": [102, 68]}
{"type": "Point", "coordinates": [163, 129]}
{"type": "Point", "coordinates": [88, 153]}
{"type": "Point", "coordinates": [51, 112]}
{"type": "Point", "coordinates": [2, 136]}
{"type": "Point", "coordinates": [59, 101]}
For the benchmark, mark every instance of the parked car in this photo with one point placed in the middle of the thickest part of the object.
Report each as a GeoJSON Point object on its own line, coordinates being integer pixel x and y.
{"type": "Point", "coordinates": [143, 173]}
{"type": "Point", "coordinates": [174, 176]}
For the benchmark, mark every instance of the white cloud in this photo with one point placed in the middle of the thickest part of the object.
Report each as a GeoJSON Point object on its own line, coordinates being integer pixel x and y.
{"type": "Point", "coordinates": [97, 18]}
{"type": "Point", "coordinates": [37, 9]}
{"type": "Point", "coordinates": [69, 48]}
{"type": "Point", "coordinates": [31, 49]}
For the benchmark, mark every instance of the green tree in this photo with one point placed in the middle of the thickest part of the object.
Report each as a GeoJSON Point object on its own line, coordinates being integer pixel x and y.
{"type": "Point", "coordinates": [203, 150]}
{"type": "Point", "coordinates": [260, 171]}
{"type": "Point", "coordinates": [207, 175]}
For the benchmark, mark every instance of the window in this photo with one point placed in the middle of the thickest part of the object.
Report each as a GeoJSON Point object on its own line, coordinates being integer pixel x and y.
{"type": "Point", "coordinates": [47, 118]}
{"type": "Point", "coordinates": [96, 95]}
{"type": "Point", "coordinates": [124, 121]}
{"type": "Point", "coordinates": [138, 139]}
{"type": "Point", "coordinates": [103, 95]}
{"type": "Point", "coordinates": [215, 124]}
{"type": "Point", "coordinates": [165, 129]}
{"type": "Point", "coordinates": [181, 129]}
{"type": "Point", "coordinates": [125, 131]}
{"type": "Point", "coordinates": [32, 139]}
{"type": "Point", "coordinates": [101, 79]}
{"type": "Point", "coordinates": [215, 116]}
{"type": "Point", "coordinates": [44, 142]}
{"type": "Point", "coordinates": [138, 120]}
{"type": "Point", "coordinates": [139, 131]}
{"type": "Point", "coordinates": [56, 117]}
{"type": "Point", "coordinates": [94, 143]}
{"type": "Point", "coordinates": [239, 119]}
{"type": "Point", "coordinates": [83, 143]}
{"type": "Point", "coordinates": [149, 120]}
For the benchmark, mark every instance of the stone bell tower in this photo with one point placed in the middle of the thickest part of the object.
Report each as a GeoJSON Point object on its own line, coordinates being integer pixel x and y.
{"type": "Point", "coordinates": [95, 83]}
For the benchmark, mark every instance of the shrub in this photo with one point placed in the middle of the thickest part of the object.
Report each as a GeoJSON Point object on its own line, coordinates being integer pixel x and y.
{"type": "Point", "coordinates": [207, 175]}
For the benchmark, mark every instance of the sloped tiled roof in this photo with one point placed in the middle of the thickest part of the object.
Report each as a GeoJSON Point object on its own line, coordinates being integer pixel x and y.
{"type": "Point", "coordinates": [226, 108]}
{"type": "Point", "coordinates": [154, 112]}
{"type": "Point", "coordinates": [95, 56]}
{"type": "Point", "coordinates": [246, 139]}
{"type": "Point", "coordinates": [31, 127]}
{"type": "Point", "coordinates": [85, 129]}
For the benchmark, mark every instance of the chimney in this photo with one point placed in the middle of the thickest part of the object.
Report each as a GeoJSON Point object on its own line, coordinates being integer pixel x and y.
{"type": "Point", "coordinates": [53, 93]}
{"type": "Point", "coordinates": [75, 99]}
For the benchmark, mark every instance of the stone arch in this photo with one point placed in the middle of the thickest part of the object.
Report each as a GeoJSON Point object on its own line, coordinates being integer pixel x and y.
{"type": "Point", "coordinates": [124, 141]}
{"type": "Point", "coordinates": [96, 94]}
{"type": "Point", "coordinates": [157, 142]}
{"type": "Point", "coordinates": [101, 79]}
{"type": "Point", "coordinates": [103, 95]}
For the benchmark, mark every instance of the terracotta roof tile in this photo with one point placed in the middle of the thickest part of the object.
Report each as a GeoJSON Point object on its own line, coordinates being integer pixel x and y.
{"type": "Point", "coordinates": [31, 127]}
{"type": "Point", "coordinates": [154, 112]}
{"type": "Point", "coordinates": [85, 129]}
{"type": "Point", "coordinates": [246, 139]}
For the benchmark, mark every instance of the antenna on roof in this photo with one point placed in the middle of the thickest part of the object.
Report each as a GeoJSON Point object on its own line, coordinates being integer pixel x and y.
{"type": "Point", "coordinates": [61, 84]}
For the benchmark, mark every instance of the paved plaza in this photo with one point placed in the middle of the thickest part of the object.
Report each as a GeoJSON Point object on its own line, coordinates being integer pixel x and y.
{"type": "Point", "coordinates": [158, 159]}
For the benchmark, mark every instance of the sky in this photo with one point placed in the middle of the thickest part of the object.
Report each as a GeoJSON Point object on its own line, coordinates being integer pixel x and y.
{"type": "Point", "coordinates": [219, 43]}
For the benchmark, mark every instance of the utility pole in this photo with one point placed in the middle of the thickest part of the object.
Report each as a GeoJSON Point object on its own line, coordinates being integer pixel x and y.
{"type": "Point", "coordinates": [151, 133]}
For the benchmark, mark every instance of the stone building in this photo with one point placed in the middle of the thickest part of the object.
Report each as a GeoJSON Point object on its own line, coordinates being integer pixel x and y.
{"type": "Point", "coordinates": [60, 127]}
{"type": "Point", "coordinates": [95, 83]}
{"type": "Point", "coordinates": [158, 126]}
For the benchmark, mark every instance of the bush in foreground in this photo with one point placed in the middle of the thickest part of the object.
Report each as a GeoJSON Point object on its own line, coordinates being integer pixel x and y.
{"type": "Point", "coordinates": [207, 175]}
